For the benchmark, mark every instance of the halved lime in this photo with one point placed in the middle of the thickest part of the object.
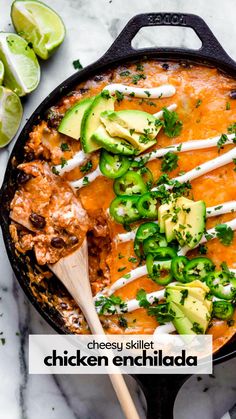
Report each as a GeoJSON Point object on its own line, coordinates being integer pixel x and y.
{"type": "Point", "coordinates": [22, 71]}
{"type": "Point", "coordinates": [38, 24]}
{"type": "Point", "coordinates": [10, 115]}
{"type": "Point", "coordinates": [1, 72]}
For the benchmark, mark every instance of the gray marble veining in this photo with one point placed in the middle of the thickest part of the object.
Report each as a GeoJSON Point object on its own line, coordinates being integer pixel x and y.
{"type": "Point", "coordinates": [92, 25]}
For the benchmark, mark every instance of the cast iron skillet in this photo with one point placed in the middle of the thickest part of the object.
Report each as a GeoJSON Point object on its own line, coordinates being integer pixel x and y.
{"type": "Point", "coordinates": [160, 390]}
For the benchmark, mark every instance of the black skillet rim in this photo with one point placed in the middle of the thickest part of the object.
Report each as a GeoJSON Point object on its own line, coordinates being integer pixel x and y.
{"type": "Point", "coordinates": [120, 52]}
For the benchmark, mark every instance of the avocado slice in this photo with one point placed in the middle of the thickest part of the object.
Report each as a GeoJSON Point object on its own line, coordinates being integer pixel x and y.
{"type": "Point", "coordinates": [163, 211]}
{"type": "Point", "coordinates": [182, 324]}
{"type": "Point", "coordinates": [171, 227]}
{"type": "Point", "coordinates": [113, 144]}
{"type": "Point", "coordinates": [137, 127]}
{"type": "Point", "coordinates": [191, 307]}
{"type": "Point", "coordinates": [71, 122]}
{"type": "Point", "coordinates": [197, 290]}
{"type": "Point", "coordinates": [195, 224]}
{"type": "Point", "coordinates": [91, 121]}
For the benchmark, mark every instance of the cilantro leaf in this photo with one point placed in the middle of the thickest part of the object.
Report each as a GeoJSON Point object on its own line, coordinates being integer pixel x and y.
{"type": "Point", "coordinates": [86, 167]}
{"type": "Point", "coordinates": [162, 312]}
{"type": "Point", "coordinates": [110, 304]}
{"type": "Point", "coordinates": [169, 162]}
{"type": "Point", "coordinates": [171, 123]}
{"type": "Point", "coordinates": [225, 234]}
{"type": "Point", "coordinates": [141, 296]}
{"type": "Point", "coordinates": [77, 65]}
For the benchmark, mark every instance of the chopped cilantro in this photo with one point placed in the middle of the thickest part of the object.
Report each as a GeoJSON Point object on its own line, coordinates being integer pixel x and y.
{"type": "Point", "coordinates": [202, 249]}
{"type": "Point", "coordinates": [86, 167]}
{"type": "Point", "coordinates": [223, 139]}
{"type": "Point", "coordinates": [85, 181]}
{"type": "Point", "coordinates": [232, 128]}
{"type": "Point", "coordinates": [198, 103]}
{"type": "Point", "coordinates": [63, 162]}
{"type": "Point", "coordinates": [141, 296]}
{"type": "Point", "coordinates": [184, 296]}
{"type": "Point", "coordinates": [234, 161]}
{"type": "Point", "coordinates": [169, 162]}
{"type": "Point", "coordinates": [105, 94]}
{"type": "Point", "coordinates": [120, 256]}
{"type": "Point", "coordinates": [171, 123]}
{"type": "Point", "coordinates": [225, 234]}
{"type": "Point", "coordinates": [109, 304]}
{"type": "Point", "coordinates": [162, 312]}
{"type": "Point", "coordinates": [147, 93]}
{"type": "Point", "coordinates": [65, 147]}
{"type": "Point", "coordinates": [132, 259]}
{"type": "Point", "coordinates": [77, 65]}
{"type": "Point", "coordinates": [55, 171]}
{"type": "Point", "coordinates": [122, 322]}
{"type": "Point", "coordinates": [122, 268]}
{"type": "Point", "coordinates": [119, 96]}
{"type": "Point", "coordinates": [227, 106]}
{"type": "Point", "coordinates": [137, 77]}
{"type": "Point", "coordinates": [197, 329]}
{"type": "Point", "coordinates": [139, 67]}
{"type": "Point", "coordinates": [131, 131]}
{"type": "Point", "coordinates": [125, 73]}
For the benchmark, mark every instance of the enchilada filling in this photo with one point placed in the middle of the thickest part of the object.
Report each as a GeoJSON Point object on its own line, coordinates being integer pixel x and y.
{"type": "Point", "coordinates": [142, 161]}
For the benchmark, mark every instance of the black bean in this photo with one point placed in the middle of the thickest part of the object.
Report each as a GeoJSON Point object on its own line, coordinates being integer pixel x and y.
{"type": "Point", "coordinates": [53, 117]}
{"type": "Point", "coordinates": [57, 242]}
{"type": "Point", "coordinates": [233, 94]}
{"type": "Point", "coordinates": [23, 177]}
{"type": "Point", "coordinates": [83, 90]}
{"type": "Point", "coordinates": [165, 66]}
{"type": "Point", "coordinates": [29, 156]}
{"type": "Point", "coordinates": [73, 240]}
{"type": "Point", "coordinates": [37, 220]}
{"type": "Point", "coordinates": [98, 78]}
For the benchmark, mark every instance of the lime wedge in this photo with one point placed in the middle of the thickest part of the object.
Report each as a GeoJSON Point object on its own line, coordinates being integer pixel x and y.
{"type": "Point", "coordinates": [22, 71]}
{"type": "Point", "coordinates": [1, 72]}
{"type": "Point", "coordinates": [10, 115]}
{"type": "Point", "coordinates": [38, 24]}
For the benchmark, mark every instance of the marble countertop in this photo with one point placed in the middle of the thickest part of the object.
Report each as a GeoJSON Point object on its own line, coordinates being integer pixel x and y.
{"type": "Point", "coordinates": [91, 26]}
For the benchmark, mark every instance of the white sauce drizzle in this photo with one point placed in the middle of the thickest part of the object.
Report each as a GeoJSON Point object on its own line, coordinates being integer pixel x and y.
{"type": "Point", "coordinates": [209, 235]}
{"type": "Point", "coordinates": [142, 270]}
{"type": "Point", "coordinates": [219, 209]}
{"type": "Point", "coordinates": [90, 177]}
{"type": "Point", "coordinates": [188, 146]}
{"type": "Point", "coordinates": [204, 168]}
{"type": "Point", "coordinates": [166, 90]}
{"type": "Point", "coordinates": [164, 328]}
{"type": "Point", "coordinates": [79, 158]}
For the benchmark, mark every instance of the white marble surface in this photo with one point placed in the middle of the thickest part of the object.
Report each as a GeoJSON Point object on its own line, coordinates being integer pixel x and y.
{"type": "Point", "coordinates": [91, 27]}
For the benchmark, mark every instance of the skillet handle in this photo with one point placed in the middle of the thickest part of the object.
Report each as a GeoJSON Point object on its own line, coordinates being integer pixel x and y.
{"type": "Point", "coordinates": [210, 49]}
{"type": "Point", "coordinates": [160, 392]}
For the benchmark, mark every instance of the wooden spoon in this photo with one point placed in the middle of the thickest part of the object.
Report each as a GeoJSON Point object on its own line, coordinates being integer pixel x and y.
{"type": "Point", "coordinates": [72, 271]}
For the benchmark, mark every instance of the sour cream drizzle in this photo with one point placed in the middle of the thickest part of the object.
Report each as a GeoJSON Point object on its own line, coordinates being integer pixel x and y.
{"type": "Point", "coordinates": [166, 90]}
{"type": "Point", "coordinates": [90, 177]}
{"type": "Point", "coordinates": [78, 158]}
{"type": "Point", "coordinates": [142, 270]}
{"type": "Point", "coordinates": [204, 168]}
{"type": "Point", "coordinates": [188, 146]}
{"type": "Point", "coordinates": [219, 209]}
{"type": "Point", "coordinates": [181, 147]}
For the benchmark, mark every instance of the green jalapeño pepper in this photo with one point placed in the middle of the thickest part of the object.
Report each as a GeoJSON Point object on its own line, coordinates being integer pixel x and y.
{"type": "Point", "coordinates": [147, 176]}
{"type": "Point", "coordinates": [198, 268]}
{"type": "Point", "coordinates": [159, 270]}
{"type": "Point", "coordinates": [131, 183]}
{"type": "Point", "coordinates": [152, 244]}
{"type": "Point", "coordinates": [223, 310]}
{"type": "Point", "coordinates": [124, 209]}
{"type": "Point", "coordinates": [221, 286]}
{"type": "Point", "coordinates": [178, 265]}
{"type": "Point", "coordinates": [113, 165]}
{"type": "Point", "coordinates": [148, 205]}
{"type": "Point", "coordinates": [144, 231]}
